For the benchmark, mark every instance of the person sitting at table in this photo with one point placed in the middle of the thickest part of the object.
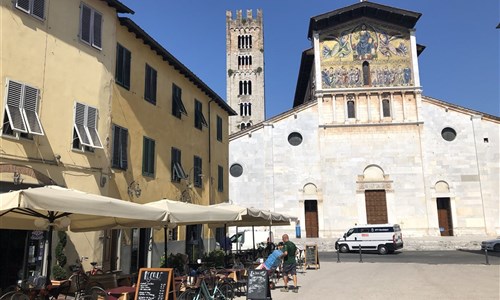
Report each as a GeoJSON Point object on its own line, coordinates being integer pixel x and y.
{"type": "Point", "coordinates": [274, 259]}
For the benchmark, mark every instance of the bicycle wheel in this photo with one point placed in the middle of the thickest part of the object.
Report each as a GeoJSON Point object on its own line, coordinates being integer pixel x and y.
{"type": "Point", "coordinates": [224, 291]}
{"type": "Point", "coordinates": [96, 293]}
{"type": "Point", "coordinates": [15, 295]}
{"type": "Point", "coordinates": [189, 294]}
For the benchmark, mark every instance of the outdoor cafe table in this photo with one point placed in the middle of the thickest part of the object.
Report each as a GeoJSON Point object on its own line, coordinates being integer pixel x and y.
{"type": "Point", "coordinates": [121, 293]}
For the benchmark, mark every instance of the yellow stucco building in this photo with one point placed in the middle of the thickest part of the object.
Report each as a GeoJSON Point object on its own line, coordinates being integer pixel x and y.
{"type": "Point", "coordinates": [91, 102]}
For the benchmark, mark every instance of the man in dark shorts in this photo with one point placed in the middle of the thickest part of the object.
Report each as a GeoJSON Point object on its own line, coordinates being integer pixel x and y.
{"type": "Point", "coordinates": [289, 263]}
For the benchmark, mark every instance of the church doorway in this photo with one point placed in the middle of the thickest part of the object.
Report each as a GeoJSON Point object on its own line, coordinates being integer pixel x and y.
{"type": "Point", "coordinates": [376, 207]}
{"type": "Point", "coordinates": [444, 216]}
{"type": "Point", "coordinates": [311, 216]}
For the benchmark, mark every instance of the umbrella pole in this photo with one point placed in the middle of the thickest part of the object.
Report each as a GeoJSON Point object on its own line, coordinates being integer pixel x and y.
{"type": "Point", "coordinates": [253, 238]}
{"type": "Point", "coordinates": [49, 254]}
{"type": "Point", "coordinates": [165, 236]}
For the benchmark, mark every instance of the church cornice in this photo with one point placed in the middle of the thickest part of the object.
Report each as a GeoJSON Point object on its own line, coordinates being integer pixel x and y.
{"type": "Point", "coordinates": [388, 14]}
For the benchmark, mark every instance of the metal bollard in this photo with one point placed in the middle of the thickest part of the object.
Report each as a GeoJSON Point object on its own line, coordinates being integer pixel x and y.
{"type": "Point", "coordinates": [338, 255]}
{"type": "Point", "coordinates": [360, 257]}
{"type": "Point", "coordinates": [486, 255]}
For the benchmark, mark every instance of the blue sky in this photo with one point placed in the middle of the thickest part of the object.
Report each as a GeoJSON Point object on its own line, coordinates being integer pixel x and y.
{"type": "Point", "coordinates": [460, 65]}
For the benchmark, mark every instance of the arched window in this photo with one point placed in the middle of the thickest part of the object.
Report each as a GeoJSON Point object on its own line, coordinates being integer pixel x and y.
{"type": "Point", "coordinates": [386, 109]}
{"type": "Point", "coordinates": [351, 111]}
{"type": "Point", "coordinates": [241, 109]}
{"type": "Point", "coordinates": [248, 124]}
{"type": "Point", "coordinates": [245, 110]}
{"type": "Point", "coordinates": [250, 60]}
{"type": "Point", "coordinates": [245, 88]}
{"type": "Point", "coordinates": [239, 41]}
{"type": "Point", "coordinates": [250, 42]}
{"type": "Point", "coordinates": [246, 41]}
{"type": "Point", "coordinates": [249, 109]}
{"type": "Point", "coordinates": [242, 126]}
{"type": "Point", "coordinates": [249, 87]}
{"type": "Point", "coordinates": [366, 73]}
{"type": "Point", "coordinates": [241, 87]}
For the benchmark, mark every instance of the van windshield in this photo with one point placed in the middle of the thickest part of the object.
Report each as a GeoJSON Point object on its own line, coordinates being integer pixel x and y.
{"type": "Point", "coordinates": [349, 232]}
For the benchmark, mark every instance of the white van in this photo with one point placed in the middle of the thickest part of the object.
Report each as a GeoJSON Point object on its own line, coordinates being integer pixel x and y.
{"type": "Point", "coordinates": [243, 240]}
{"type": "Point", "coordinates": [383, 238]}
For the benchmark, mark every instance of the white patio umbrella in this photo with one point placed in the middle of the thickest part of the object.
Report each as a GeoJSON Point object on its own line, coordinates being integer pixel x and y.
{"type": "Point", "coordinates": [182, 213]}
{"type": "Point", "coordinates": [52, 206]}
{"type": "Point", "coordinates": [251, 216]}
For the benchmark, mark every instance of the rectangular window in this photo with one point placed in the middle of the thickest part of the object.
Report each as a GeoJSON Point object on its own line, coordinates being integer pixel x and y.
{"type": "Point", "coordinates": [220, 179]}
{"type": "Point", "coordinates": [177, 105]}
{"type": "Point", "coordinates": [122, 72]}
{"type": "Point", "coordinates": [91, 26]}
{"type": "Point", "coordinates": [197, 171]}
{"type": "Point", "coordinates": [36, 8]}
{"type": "Point", "coordinates": [120, 141]}
{"type": "Point", "coordinates": [199, 118]}
{"type": "Point", "coordinates": [386, 108]}
{"type": "Point", "coordinates": [85, 127]}
{"type": "Point", "coordinates": [173, 234]}
{"type": "Point", "coordinates": [351, 110]}
{"type": "Point", "coordinates": [21, 110]}
{"type": "Point", "coordinates": [176, 166]}
{"type": "Point", "coordinates": [148, 157]}
{"type": "Point", "coordinates": [150, 85]}
{"type": "Point", "coordinates": [219, 129]}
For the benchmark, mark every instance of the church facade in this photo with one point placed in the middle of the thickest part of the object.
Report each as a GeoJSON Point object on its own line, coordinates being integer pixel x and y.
{"type": "Point", "coordinates": [363, 145]}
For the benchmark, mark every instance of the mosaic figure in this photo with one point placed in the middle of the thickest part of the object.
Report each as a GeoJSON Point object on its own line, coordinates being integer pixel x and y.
{"type": "Point", "coordinates": [365, 44]}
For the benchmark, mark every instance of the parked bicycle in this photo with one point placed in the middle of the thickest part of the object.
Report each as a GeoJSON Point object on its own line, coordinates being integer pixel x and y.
{"type": "Point", "coordinates": [219, 289]}
{"type": "Point", "coordinates": [82, 285]}
{"type": "Point", "coordinates": [35, 289]}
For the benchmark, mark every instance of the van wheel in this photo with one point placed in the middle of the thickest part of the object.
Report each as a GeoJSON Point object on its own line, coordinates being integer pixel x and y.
{"type": "Point", "coordinates": [343, 248]}
{"type": "Point", "coordinates": [382, 249]}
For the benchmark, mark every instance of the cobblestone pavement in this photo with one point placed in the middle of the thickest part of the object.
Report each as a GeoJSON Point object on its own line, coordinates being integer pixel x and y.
{"type": "Point", "coordinates": [395, 281]}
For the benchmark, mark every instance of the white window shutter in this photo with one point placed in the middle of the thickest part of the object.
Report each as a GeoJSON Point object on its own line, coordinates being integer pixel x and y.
{"type": "Point", "coordinates": [13, 107]}
{"type": "Point", "coordinates": [39, 9]}
{"type": "Point", "coordinates": [23, 5]}
{"type": "Point", "coordinates": [31, 110]}
{"type": "Point", "coordinates": [80, 112]}
{"type": "Point", "coordinates": [85, 24]}
{"type": "Point", "coordinates": [97, 28]}
{"type": "Point", "coordinates": [91, 127]}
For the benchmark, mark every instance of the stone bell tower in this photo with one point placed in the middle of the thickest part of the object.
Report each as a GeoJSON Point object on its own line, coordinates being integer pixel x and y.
{"type": "Point", "coordinates": [245, 69]}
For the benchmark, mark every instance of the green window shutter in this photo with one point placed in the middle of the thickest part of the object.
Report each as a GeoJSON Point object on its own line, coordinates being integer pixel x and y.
{"type": "Point", "coordinates": [148, 157]}
{"type": "Point", "coordinates": [14, 106]}
{"type": "Point", "coordinates": [79, 124]}
{"type": "Point", "coordinates": [39, 8]}
{"type": "Point", "coordinates": [86, 13]}
{"type": "Point", "coordinates": [31, 110]}
{"type": "Point", "coordinates": [97, 30]}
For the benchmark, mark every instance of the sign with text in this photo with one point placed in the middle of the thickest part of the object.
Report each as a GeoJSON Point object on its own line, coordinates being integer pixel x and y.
{"type": "Point", "coordinates": [258, 285]}
{"type": "Point", "coordinates": [155, 284]}
{"type": "Point", "coordinates": [312, 259]}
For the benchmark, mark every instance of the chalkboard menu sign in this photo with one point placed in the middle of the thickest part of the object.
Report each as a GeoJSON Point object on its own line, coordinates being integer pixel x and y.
{"type": "Point", "coordinates": [312, 259]}
{"type": "Point", "coordinates": [258, 285]}
{"type": "Point", "coordinates": [155, 284]}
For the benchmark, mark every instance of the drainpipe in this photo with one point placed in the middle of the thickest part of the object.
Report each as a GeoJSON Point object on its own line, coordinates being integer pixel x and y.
{"type": "Point", "coordinates": [210, 153]}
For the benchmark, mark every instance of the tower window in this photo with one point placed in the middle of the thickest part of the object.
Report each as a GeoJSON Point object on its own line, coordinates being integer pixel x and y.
{"type": "Point", "coordinates": [244, 42]}
{"type": "Point", "coordinates": [245, 87]}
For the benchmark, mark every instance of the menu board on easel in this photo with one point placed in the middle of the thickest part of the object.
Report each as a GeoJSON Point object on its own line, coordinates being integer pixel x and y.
{"type": "Point", "coordinates": [155, 284]}
{"type": "Point", "coordinates": [312, 258]}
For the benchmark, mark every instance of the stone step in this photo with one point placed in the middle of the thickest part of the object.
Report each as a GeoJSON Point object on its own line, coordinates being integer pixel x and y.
{"type": "Point", "coordinates": [410, 243]}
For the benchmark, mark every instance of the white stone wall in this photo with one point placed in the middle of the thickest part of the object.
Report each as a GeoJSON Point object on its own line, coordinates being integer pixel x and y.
{"type": "Point", "coordinates": [413, 157]}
